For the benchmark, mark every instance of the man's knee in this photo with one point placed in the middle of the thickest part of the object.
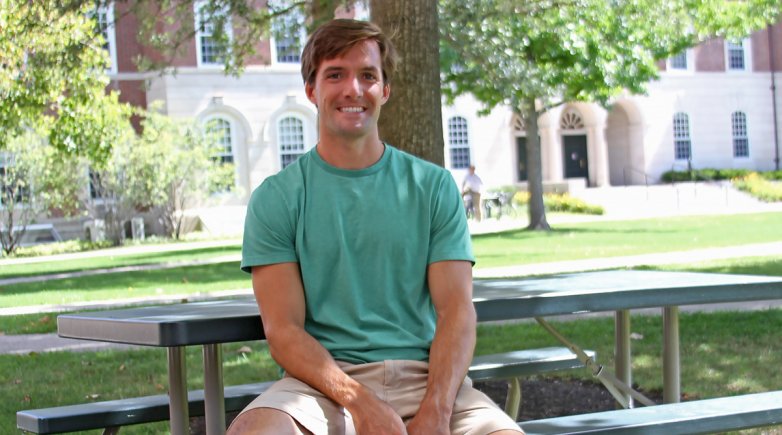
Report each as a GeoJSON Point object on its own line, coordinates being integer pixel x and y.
{"type": "Point", "coordinates": [265, 421]}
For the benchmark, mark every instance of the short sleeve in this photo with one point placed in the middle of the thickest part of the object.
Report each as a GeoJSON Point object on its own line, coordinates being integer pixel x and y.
{"type": "Point", "coordinates": [450, 236]}
{"type": "Point", "coordinates": [269, 228]}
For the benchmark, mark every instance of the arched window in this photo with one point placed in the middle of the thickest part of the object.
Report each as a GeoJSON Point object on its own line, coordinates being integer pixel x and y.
{"type": "Point", "coordinates": [220, 130]}
{"type": "Point", "coordinates": [681, 136]}
{"type": "Point", "coordinates": [458, 142]}
{"type": "Point", "coordinates": [740, 139]}
{"type": "Point", "coordinates": [290, 135]}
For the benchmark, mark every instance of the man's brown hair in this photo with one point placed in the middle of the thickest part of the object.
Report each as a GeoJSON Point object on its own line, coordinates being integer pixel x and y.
{"type": "Point", "coordinates": [336, 37]}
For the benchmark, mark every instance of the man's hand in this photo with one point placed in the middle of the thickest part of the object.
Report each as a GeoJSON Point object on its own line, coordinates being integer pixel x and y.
{"type": "Point", "coordinates": [373, 416]}
{"type": "Point", "coordinates": [429, 423]}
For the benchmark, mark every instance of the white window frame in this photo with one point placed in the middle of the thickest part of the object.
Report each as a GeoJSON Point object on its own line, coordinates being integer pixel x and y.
{"type": "Point", "coordinates": [739, 132]}
{"type": "Point", "coordinates": [677, 136]}
{"type": "Point", "coordinates": [206, 33]}
{"type": "Point", "coordinates": [458, 140]}
{"type": "Point", "coordinates": [689, 58]}
{"type": "Point", "coordinates": [281, 151]}
{"type": "Point", "coordinates": [105, 17]}
{"type": "Point", "coordinates": [746, 45]}
{"type": "Point", "coordinates": [273, 46]}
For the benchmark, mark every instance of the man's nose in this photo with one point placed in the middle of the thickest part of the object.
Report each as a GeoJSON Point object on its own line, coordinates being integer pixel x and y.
{"type": "Point", "coordinates": [353, 88]}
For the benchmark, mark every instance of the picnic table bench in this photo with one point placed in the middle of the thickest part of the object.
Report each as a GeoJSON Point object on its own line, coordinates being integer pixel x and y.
{"type": "Point", "coordinates": [695, 417]}
{"type": "Point", "coordinates": [111, 415]}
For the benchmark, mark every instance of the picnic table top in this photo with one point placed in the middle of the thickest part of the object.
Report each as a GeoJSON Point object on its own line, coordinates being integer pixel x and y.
{"type": "Point", "coordinates": [239, 320]}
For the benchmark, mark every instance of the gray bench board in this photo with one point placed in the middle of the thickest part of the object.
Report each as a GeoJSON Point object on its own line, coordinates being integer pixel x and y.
{"type": "Point", "coordinates": [125, 412]}
{"type": "Point", "coordinates": [695, 417]}
{"type": "Point", "coordinates": [524, 363]}
{"type": "Point", "coordinates": [148, 409]}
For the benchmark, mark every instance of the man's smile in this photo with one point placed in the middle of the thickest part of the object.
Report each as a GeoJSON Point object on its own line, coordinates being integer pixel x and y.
{"type": "Point", "coordinates": [352, 109]}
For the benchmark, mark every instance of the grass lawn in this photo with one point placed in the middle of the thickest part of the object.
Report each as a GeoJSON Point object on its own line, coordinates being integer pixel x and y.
{"type": "Point", "coordinates": [567, 242]}
{"type": "Point", "coordinates": [611, 239]}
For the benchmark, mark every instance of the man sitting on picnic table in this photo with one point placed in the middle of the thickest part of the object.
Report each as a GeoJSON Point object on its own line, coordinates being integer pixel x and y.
{"type": "Point", "coordinates": [361, 266]}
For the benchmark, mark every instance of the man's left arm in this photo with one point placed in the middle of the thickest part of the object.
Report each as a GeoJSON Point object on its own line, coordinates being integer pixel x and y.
{"type": "Point", "coordinates": [450, 284]}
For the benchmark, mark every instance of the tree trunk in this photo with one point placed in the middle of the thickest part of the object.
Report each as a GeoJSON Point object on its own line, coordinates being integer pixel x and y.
{"type": "Point", "coordinates": [537, 211]}
{"type": "Point", "coordinates": [412, 118]}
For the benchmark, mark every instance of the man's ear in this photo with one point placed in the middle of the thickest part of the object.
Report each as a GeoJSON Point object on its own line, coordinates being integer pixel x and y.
{"type": "Point", "coordinates": [310, 91]}
{"type": "Point", "coordinates": [386, 93]}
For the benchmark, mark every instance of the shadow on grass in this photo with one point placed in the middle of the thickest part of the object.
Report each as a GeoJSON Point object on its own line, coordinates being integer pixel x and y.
{"type": "Point", "coordinates": [208, 277]}
{"type": "Point", "coordinates": [14, 271]}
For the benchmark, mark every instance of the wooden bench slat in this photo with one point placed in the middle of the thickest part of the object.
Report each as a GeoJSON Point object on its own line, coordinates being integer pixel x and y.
{"type": "Point", "coordinates": [695, 417]}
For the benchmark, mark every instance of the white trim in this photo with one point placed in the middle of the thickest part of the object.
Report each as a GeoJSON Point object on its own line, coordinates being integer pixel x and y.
{"type": "Point", "coordinates": [110, 36]}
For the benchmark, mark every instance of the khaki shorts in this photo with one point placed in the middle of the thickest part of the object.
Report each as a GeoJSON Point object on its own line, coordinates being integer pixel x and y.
{"type": "Point", "coordinates": [401, 384]}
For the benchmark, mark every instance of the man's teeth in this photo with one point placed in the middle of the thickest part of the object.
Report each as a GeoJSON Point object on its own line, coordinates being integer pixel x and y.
{"type": "Point", "coordinates": [352, 109]}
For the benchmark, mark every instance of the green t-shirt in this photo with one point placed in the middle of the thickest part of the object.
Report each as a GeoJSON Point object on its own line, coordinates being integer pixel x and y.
{"type": "Point", "coordinates": [363, 240]}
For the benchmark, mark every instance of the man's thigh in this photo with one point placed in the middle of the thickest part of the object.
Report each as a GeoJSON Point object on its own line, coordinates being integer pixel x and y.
{"type": "Point", "coordinates": [307, 406]}
{"type": "Point", "coordinates": [401, 384]}
{"type": "Point", "coordinates": [474, 413]}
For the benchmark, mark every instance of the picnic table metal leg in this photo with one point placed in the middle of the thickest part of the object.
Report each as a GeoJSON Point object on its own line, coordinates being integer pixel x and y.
{"type": "Point", "coordinates": [671, 373]}
{"type": "Point", "coordinates": [177, 391]}
{"type": "Point", "coordinates": [622, 353]}
{"type": "Point", "coordinates": [615, 386]}
{"type": "Point", "coordinates": [214, 401]}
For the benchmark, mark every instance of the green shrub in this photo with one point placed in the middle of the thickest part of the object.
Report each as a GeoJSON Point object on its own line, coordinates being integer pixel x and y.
{"type": "Point", "coordinates": [705, 174]}
{"type": "Point", "coordinates": [567, 203]}
{"type": "Point", "coordinates": [560, 202]}
{"type": "Point", "coordinates": [60, 248]}
{"type": "Point", "coordinates": [759, 187]}
{"type": "Point", "coordinates": [772, 175]}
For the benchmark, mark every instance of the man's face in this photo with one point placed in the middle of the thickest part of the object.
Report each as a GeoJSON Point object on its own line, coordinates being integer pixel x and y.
{"type": "Point", "coordinates": [348, 91]}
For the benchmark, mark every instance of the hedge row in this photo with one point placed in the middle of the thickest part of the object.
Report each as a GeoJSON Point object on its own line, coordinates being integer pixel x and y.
{"type": "Point", "coordinates": [560, 202]}
{"type": "Point", "coordinates": [710, 174]}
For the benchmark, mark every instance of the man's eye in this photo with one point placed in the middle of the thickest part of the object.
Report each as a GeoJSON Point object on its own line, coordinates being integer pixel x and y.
{"type": "Point", "coordinates": [370, 76]}
{"type": "Point", "coordinates": [334, 75]}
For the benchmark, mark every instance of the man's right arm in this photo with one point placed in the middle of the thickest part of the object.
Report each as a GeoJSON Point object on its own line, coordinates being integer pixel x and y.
{"type": "Point", "coordinates": [280, 294]}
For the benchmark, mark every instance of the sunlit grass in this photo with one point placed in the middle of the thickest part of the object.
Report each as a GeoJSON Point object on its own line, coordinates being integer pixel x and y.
{"type": "Point", "coordinates": [619, 238]}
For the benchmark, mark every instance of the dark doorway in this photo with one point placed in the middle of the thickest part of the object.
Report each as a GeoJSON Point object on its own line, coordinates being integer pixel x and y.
{"type": "Point", "coordinates": [575, 156]}
{"type": "Point", "coordinates": [521, 152]}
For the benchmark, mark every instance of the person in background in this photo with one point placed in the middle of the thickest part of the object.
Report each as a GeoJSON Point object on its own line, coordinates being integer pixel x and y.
{"type": "Point", "coordinates": [471, 186]}
{"type": "Point", "coordinates": [361, 265]}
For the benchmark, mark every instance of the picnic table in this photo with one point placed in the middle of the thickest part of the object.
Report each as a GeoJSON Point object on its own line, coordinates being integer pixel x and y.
{"type": "Point", "coordinates": [214, 322]}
